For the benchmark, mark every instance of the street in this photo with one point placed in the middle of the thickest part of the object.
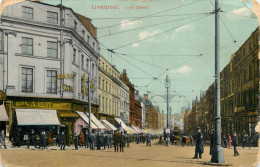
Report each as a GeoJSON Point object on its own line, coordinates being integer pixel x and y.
{"type": "Point", "coordinates": [137, 155]}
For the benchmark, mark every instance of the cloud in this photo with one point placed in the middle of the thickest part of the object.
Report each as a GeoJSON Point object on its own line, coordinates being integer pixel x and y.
{"type": "Point", "coordinates": [127, 24]}
{"type": "Point", "coordinates": [147, 34]}
{"type": "Point", "coordinates": [181, 29]}
{"type": "Point", "coordinates": [183, 70]}
{"type": "Point", "coordinates": [135, 45]}
{"type": "Point", "coordinates": [241, 11]}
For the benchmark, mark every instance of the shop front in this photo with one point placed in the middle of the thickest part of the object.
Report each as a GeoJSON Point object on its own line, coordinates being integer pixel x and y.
{"type": "Point", "coordinates": [65, 110]}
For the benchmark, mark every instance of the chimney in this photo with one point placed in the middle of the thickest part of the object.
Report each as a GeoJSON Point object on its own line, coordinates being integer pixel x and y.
{"type": "Point", "coordinates": [137, 92]}
{"type": "Point", "coordinates": [146, 96]}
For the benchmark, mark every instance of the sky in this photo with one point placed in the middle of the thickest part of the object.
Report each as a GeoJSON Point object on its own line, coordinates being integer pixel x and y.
{"type": "Point", "coordinates": [171, 37]}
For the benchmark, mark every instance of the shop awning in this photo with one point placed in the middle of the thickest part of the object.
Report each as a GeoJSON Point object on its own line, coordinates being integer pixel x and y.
{"type": "Point", "coordinates": [132, 130]}
{"type": "Point", "coordinates": [139, 129]}
{"type": "Point", "coordinates": [96, 121]}
{"type": "Point", "coordinates": [3, 114]}
{"type": "Point", "coordinates": [147, 131]}
{"type": "Point", "coordinates": [143, 131]}
{"type": "Point", "coordinates": [135, 128]}
{"type": "Point", "coordinates": [85, 118]}
{"type": "Point", "coordinates": [118, 120]}
{"type": "Point", "coordinates": [37, 117]}
{"type": "Point", "coordinates": [108, 124]}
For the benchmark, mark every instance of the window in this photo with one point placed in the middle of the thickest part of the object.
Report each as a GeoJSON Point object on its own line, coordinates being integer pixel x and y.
{"type": "Point", "coordinates": [244, 76]}
{"type": "Point", "coordinates": [103, 101]}
{"type": "Point", "coordinates": [75, 25]}
{"type": "Point", "coordinates": [256, 39]}
{"type": "Point", "coordinates": [27, 46]}
{"type": "Point", "coordinates": [87, 65]}
{"type": "Point", "coordinates": [83, 34]}
{"type": "Point", "coordinates": [93, 45]}
{"type": "Point", "coordinates": [249, 46]}
{"type": "Point", "coordinates": [93, 68]}
{"type": "Point", "coordinates": [74, 56]}
{"type": "Point", "coordinates": [244, 51]}
{"type": "Point", "coordinates": [27, 12]}
{"type": "Point", "coordinates": [52, 49]}
{"type": "Point", "coordinates": [52, 17]}
{"type": "Point", "coordinates": [106, 86]}
{"type": "Point", "coordinates": [51, 86]}
{"type": "Point", "coordinates": [82, 61]}
{"type": "Point", "coordinates": [27, 80]}
{"type": "Point", "coordinates": [250, 72]}
{"type": "Point", "coordinates": [1, 40]}
{"type": "Point", "coordinates": [88, 39]}
{"type": "Point", "coordinates": [103, 85]}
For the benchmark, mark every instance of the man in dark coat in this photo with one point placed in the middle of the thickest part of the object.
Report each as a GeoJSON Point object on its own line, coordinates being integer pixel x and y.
{"type": "Point", "coordinates": [98, 141]}
{"type": "Point", "coordinates": [86, 140]}
{"type": "Point", "coordinates": [76, 141]}
{"type": "Point", "coordinates": [122, 142]}
{"type": "Point", "coordinates": [62, 141]}
{"type": "Point", "coordinates": [235, 143]}
{"type": "Point", "coordinates": [91, 141]}
{"type": "Point", "coordinates": [128, 141]}
{"type": "Point", "coordinates": [160, 139]}
{"type": "Point", "coordinates": [116, 138]}
{"type": "Point", "coordinates": [256, 137]}
{"type": "Point", "coordinates": [106, 141]}
{"type": "Point", "coordinates": [148, 140]}
{"type": "Point", "coordinates": [211, 142]}
{"type": "Point", "coordinates": [199, 145]}
{"type": "Point", "coordinates": [2, 138]}
{"type": "Point", "coordinates": [43, 140]}
{"type": "Point", "coordinates": [32, 139]}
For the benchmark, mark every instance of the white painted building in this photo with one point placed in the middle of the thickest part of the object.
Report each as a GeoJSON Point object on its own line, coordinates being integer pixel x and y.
{"type": "Point", "coordinates": [47, 53]}
{"type": "Point", "coordinates": [124, 102]}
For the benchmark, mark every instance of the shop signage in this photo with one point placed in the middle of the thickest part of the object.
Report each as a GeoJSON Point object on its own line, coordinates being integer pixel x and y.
{"type": "Point", "coordinates": [65, 76]}
{"type": "Point", "coordinates": [42, 105]}
{"type": "Point", "coordinates": [84, 86]}
{"type": "Point", "coordinates": [66, 87]}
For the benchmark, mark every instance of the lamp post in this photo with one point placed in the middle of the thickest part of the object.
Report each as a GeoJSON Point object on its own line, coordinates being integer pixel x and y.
{"type": "Point", "coordinates": [167, 85]}
{"type": "Point", "coordinates": [217, 150]}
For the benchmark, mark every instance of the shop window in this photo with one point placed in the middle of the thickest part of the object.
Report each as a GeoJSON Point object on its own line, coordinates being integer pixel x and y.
{"type": "Point", "coordinates": [74, 56]}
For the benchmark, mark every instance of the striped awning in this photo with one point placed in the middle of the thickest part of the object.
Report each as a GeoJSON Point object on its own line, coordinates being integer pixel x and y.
{"type": "Point", "coordinates": [3, 114]}
{"type": "Point", "coordinates": [108, 124]}
{"type": "Point", "coordinates": [85, 118]}
{"type": "Point", "coordinates": [37, 117]}
{"type": "Point", "coordinates": [96, 121]}
{"type": "Point", "coordinates": [119, 121]}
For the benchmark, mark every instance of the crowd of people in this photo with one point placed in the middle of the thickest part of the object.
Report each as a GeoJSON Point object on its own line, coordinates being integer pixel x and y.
{"type": "Point", "coordinates": [96, 140]}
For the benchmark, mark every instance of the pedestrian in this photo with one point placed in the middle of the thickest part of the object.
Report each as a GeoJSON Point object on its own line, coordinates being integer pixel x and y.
{"type": "Point", "coordinates": [256, 138]}
{"type": "Point", "coordinates": [2, 138]}
{"type": "Point", "coordinates": [199, 145]}
{"type": "Point", "coordinates": [122, 142]}
{"type": "Point", "coordinates": [32, 139]}
{"type": "Point", "coordinates": [116, 138]}
{"type": "Point", "coordinates": [86, 140]}
{"type": "Point", "coordinates": [224, 141]}
{"type": "Point", "coordinates": [128, 140]}
{"type": "Point", "coordinates": [167, 139]}
{"type": "Point", "coordinates": [62, 141]}
{"type": "Point", "coordinates": [160, 139]}
{"type": "Point", "coordinates": [148, 140]}
{"type": "Point", "coordinates": [76, 141]}
{"type": "Point", "coordinates": [245, 140]}
{"type": "Point", "coordinates": [81, 139]}
{"type": "Point", "coordinates": [211, 141]}
{"type": "Point", "coordinates": [235, 143]}
{"type": "Point", "coordinates": [229, 140]}
{"type": "Point", "coordinates": [58, 139]}
{"type": "Point", "coordinates": [43, 140]}
{"type": "Point", "coordinates": [98, 141]}
{"type": "Point", "coordinates": [105, 141]}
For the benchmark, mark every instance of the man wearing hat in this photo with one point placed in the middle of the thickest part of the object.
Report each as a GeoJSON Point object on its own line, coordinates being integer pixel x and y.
{"type": "Point", "coordinates": [199, 145]}
{"type": "Point", "coordinates": [235, 143]}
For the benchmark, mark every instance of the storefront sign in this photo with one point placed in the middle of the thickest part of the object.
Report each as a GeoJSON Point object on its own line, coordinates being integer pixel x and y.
{"type": "Point", "coordinates": [66, 87]}
{"type": "Point", "coordinates": [84, 86]}
{"type": "Point", "coordinates": [65, 76]}
{"type": "Point", "coordinates": [43, 105]}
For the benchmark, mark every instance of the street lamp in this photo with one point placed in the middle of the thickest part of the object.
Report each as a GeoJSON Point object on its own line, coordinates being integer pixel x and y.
{"type": "Point", "coordinates": [167, 85]}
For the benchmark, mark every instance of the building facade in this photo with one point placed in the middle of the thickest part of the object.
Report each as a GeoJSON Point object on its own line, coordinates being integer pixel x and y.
{"type": "Point", "coordinates": [151, 115]}
{"type": "Point", "coordinates": [125, 80]}
{"type": "Point", "coordinates": [240, 87]}
{"type": "Point", "coordinates": [108, 90]}
{"type": "Point", "coordinates": [124, 103]}
{"type": "Point", "coordinates": [45, 61]}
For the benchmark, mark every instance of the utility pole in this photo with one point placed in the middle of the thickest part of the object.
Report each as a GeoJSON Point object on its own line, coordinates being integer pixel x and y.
{"type": "Point", "coordinates": [61, 49]}
{"type": "Point", "coordinates": [217, 150]}
{"type": "Point", "coordinates": [167, 85]}
{"type": "Point", "coordinates": [89, 105]}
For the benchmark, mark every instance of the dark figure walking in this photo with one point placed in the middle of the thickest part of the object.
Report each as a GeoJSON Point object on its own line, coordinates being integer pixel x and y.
{"type": "Point", "coordinates": [32, 139]}
{"type": "Point", "coordinates": [211, 142]}
{"type": "Point", "coordinates": [76, 141]}
{"type": "Point", "coordinates": [235, 143]}
{"type": "Point", "coordinates": [91, 141]}
{"type": "Point", "coordinates": [116, 138]}
{"type": "Point", "coordinates": [43, 140]}
{"type": "Point", "coordinates": [122, 142]}
{"type": "Point", "coordinates": [128, 141]}
{"type": "Point", "coordinates": [256, 137]}
{"type": "Point", "coordinates": [160, 139]}
{"type": "Point", "coordinates": [98, 141]}
{"type": "Point", "coordinates": [86, 140]}
{"type": "Point", "coordinates": [62, 141]}
{"type": "Point", "coordinates": [199, 145]}
{"type": "Point", "coordinates": [148, 140]}
{"type": "Point", "coordinates": [105, 141]}
{"type": "Point", "coordinates": [2, 138]}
